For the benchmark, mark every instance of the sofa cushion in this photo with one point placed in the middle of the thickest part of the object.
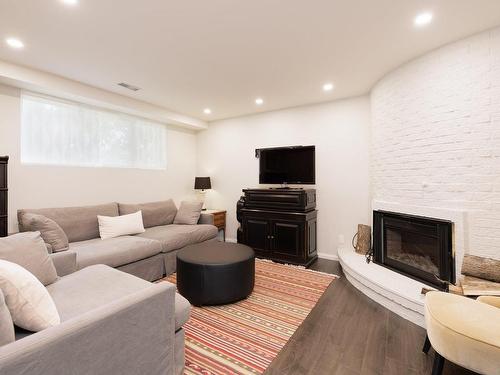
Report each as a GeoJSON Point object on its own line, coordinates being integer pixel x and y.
{"type": "Point", "coordinates": [28, 250]}
{"type": "Point", "coordinates": [176, 236]}
{"type": "Point", "coordinates": [6, 324]}
{"type": "Point", "coordinates": [189, 213]}
{"type": "Point", "coordinates": [79, 223]}
{"type": "Point", "coordinates": [98, 285]}
{"type": "Point", "coordinates": [52, 234]}
{"type": "Point", "coordinates": [153, 213]}
{"type": "Point", "coordinates": [182, 310]}
{"type": "Point", "coordinates": [30, 305]}
{"type": "Point", "coordinates": [92, 287]}
{"type": "Point", "coordinates": [114, 252]}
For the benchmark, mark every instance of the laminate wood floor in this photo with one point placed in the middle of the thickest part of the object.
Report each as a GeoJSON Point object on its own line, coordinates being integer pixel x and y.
{"type": "Point", "coordinates": [348, 333]}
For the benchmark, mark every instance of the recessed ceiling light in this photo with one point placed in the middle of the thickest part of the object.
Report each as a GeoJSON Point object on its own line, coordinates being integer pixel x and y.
{"type": "Point", "coordinates": [328, 87]}
{"type": "Point", "coordinates": [259, 101]}
{"type": "Point", "coordinates": [423, 19]}
{"type": "Point", "coordinates": [207, 111]}
{"type": "Point", "coordinates": [14, 43]}
{"type": "Point", "coordinates": [70, 2]}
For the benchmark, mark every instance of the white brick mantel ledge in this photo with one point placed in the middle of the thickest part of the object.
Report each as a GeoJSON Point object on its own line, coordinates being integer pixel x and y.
{"type": "Point", "coordinates": [396, 292]}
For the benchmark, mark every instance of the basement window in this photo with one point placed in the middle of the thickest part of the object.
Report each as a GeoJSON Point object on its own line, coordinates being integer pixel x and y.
{"type": "Point", "coordinates": [58, 132]}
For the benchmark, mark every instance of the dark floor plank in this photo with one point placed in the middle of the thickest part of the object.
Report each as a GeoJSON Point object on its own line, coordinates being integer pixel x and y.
{"type": "Point", "coordinates": [348, 333]}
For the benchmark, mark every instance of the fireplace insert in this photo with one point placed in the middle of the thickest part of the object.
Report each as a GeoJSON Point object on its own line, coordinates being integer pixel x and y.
{"type": "Point", "coordinates": [418, 247]}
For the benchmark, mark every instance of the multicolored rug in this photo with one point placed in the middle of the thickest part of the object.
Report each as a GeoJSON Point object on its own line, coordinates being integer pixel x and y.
{"type": "Point", "coordinates": [244, 337]}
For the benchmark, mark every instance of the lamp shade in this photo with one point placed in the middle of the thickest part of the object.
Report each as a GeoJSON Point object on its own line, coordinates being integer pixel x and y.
{"type": "Point", "coordinates": [202, 183]}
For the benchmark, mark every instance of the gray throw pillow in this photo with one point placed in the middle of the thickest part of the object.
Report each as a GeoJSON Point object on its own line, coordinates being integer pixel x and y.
{"type": "Point", "coordinates": [29, 251]}
{"type": "Point", "coordinates": [7, 334]}
{"type": "Point", "coordinates": [51, 232]}
{"type": "Point", "coordinates": [188, 213]}
{"type": "Point", "coordinates": [153, 213]}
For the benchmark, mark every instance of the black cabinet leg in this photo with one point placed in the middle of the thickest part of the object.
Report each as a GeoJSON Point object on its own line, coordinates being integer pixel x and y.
{"type": "Point", "coordinates": [427, 345]}
{"type": "Point", "coordinates": [437, 367]}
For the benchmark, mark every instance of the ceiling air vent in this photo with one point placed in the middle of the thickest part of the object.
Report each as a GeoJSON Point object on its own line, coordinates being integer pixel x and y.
{"type": "Point", "coordinates": [130, 87]}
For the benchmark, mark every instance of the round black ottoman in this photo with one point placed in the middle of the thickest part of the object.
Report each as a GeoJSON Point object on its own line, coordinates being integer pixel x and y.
{"type": "Point", "coordinates": [215, 273]}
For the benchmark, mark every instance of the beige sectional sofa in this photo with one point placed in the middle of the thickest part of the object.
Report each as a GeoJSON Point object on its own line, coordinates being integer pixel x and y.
{"type": "Point", "coordinates": [111, 322]}
{"type": "Point", "coordinates": [149, 255]}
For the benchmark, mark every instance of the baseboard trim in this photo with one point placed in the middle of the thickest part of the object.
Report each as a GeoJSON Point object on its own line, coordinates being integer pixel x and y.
{"type": "Point", "coordinates": [328, 256]}
{"type": "Point", "coordinates": [320, 255]}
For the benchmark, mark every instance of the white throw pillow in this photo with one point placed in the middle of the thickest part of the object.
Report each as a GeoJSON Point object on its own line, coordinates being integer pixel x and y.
{"type": "Point", "coordinates": [115, 226]}
{"type": "Point", "coordinates": [29, 303]}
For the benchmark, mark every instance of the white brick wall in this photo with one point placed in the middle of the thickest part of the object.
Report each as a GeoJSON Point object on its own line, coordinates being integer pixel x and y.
{"type": "Point", "coordinates": [436, 136]}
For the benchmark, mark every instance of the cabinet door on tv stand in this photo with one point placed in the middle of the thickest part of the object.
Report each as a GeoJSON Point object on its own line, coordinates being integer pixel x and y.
{"type": "Point", "coordinates": [256, 233]}
{"type": "Point", "coordinates": [288, 239]}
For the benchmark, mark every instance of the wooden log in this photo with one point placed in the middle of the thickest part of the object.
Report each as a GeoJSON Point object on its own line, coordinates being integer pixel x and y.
{"type": "Point", "coordinates": [479, 287]}
{"type": "Point", "coordinates": [483, 268]}
{"type": "Point", "coordinates": [364, 239]}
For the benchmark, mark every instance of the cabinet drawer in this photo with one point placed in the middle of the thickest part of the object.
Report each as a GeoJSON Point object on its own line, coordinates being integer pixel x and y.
{"type": "Point", "coordinates": [220, 219]}
{"type": "Point", "coordinates": [287, 200]}
{"type": "Point", "coordinates": [219, 222]}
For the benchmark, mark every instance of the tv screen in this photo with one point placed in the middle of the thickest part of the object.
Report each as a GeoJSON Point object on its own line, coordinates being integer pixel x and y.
{"type": "Point", "coordinates": [291, 165]}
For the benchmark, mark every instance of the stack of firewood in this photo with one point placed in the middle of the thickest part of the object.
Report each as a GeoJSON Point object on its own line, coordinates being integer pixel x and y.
{"type": "Point", "coordinates": [481, 276]}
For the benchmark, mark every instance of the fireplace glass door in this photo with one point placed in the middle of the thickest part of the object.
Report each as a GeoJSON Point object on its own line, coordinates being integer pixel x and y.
{"type": "Point", "coordinates": [415, 246]}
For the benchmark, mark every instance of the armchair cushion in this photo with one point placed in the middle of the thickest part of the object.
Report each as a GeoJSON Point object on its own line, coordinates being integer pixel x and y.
{"type": "Point", "coordinates": [464, 331]}
{"type": "Point", "coordinates": [490, 300]}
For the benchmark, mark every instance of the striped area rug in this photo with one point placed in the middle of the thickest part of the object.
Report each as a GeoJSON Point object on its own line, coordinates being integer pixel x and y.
{"type": "Point", "coordinates": [244, 337]}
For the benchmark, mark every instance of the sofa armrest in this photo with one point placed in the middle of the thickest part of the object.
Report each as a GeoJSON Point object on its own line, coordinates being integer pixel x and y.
{"type": "Point", "coordinates": [133, 335]}
{"type": "Point", "coordinates": [206, 219]}
{"type": "Point", "coordinates": [64, 261]}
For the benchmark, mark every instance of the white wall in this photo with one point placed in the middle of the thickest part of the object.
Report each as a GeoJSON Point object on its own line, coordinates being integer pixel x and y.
{"type": "Point", "coordinates": [47, 186]}
{"type": "Point", "coordinates": [340, 132]}
{"type": "Point", "coordinates": [436, 136]}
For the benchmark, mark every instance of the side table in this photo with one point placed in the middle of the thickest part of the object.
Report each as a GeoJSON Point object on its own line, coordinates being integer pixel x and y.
{"type": "Point", "coordinates": [219, 220]}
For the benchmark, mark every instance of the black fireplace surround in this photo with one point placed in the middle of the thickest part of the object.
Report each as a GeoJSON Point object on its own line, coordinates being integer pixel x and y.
{"type": "Point", "coordinates": [415, 246]}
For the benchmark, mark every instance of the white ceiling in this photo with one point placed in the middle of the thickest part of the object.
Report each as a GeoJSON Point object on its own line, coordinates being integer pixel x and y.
{"type": "Point", "coordinates": [187, 55]}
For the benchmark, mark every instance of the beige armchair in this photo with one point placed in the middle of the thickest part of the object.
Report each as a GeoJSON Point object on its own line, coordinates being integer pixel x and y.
{"type": "Point", "coordinates": [463, 331]}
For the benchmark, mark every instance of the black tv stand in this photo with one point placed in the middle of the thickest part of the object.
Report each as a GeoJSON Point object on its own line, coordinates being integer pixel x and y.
{"type": "Point", "coordinates": [279, 224]}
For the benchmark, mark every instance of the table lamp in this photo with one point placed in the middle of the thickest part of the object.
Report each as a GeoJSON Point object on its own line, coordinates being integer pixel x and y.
{"type": "Point", "coordinates": [201, 184]}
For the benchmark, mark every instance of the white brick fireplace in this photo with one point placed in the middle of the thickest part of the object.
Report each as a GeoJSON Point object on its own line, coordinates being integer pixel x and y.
{"type": "Point", "coordinates": [435, 152]}
{"type": "Point", "coordinates": [436, 139]}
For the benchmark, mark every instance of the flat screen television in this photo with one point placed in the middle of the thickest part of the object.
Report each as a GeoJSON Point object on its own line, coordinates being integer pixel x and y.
{"type": "Point", "coordinates": [287, 165]}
